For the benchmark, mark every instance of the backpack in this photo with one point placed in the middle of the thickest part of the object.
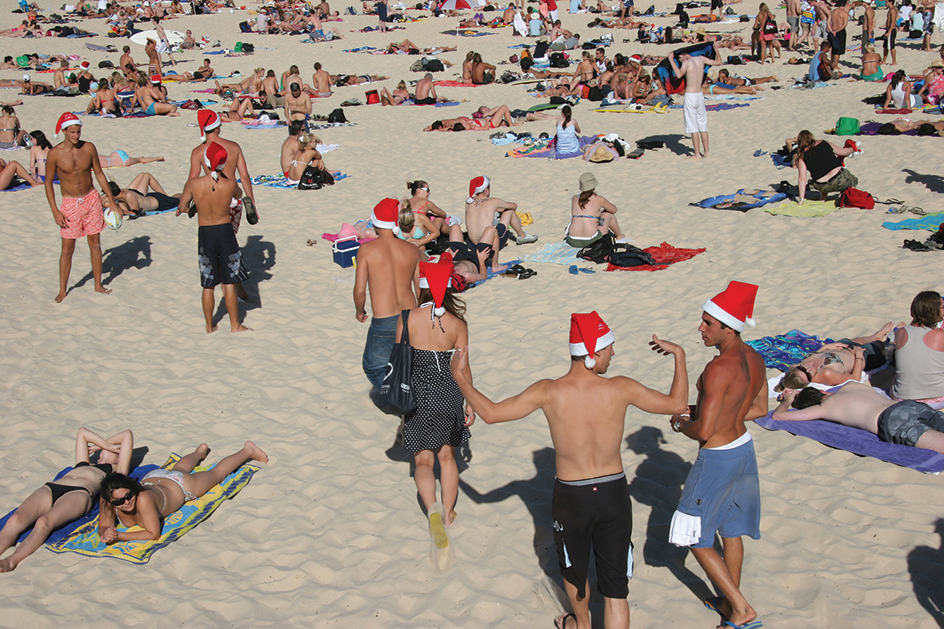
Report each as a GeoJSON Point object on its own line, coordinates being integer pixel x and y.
{"type": "Point", "coordinates": [248, 48]}
{"type": "Point", "coordinates": [337, 116]}
{"type": "Point", "coordinates": [558, 60]}
{"type": "Point", "coordinates": [853, 197]}
{"type": "Point", "coordinates": [433, 65]}
{"type": "Point", "coordinates": [626, 255]}
{"type": "Point", "coordinates": [244, 27]}
{"type": "Point", "coordinates": [847, 126]}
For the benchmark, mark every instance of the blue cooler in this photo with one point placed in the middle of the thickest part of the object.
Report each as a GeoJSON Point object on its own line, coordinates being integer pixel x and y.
{"type": "Point", "coordinates": [344, 251]}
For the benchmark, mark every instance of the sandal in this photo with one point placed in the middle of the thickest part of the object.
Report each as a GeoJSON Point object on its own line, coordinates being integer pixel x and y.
{"type": "Point", "coordinates": [561, 621]}
{"type": "Point", "coordinates": [526, 274]}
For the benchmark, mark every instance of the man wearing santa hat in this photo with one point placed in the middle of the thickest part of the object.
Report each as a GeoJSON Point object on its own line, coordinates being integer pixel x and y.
{"type": "Point", "coordinates": [586, 414]}
{"type": "Point", "coordinates": [389, 268]}
{"type": "Point", "coordinates": [80, 213]}
{"type": "Point", "coordinates": [722, 492]}
{"type": "Point", "coordinates": [480, 211]}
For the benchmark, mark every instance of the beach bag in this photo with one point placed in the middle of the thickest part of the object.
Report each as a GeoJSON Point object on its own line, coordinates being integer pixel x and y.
{"type": "Point", "coordinates": [337, 116]}
{"type": "Point", "coordinates": [432, 65]}
{"type": "Point", "coordinates": [315, 179]}
{"type": "Point", "coordinates": [847, 126]}
{"type": "Point", "coordinates": [397, 396]}
{"type": "Point", "coordinates": [853, 197]}
{"type": "Point", "coordinates": [770, 27]}
{"type": "Point", "coordinates": [417, 66]}
{"type": "Point", "coordinates": [558, 60]}
{"type": "Point", "coordinates": [599, 251]}
{"type": "Point", "coordinates": [626, 255]}
{"type": "Point", "coordinates": [244, 27]}
{"type": "Point", "coordinates": [249, 48]}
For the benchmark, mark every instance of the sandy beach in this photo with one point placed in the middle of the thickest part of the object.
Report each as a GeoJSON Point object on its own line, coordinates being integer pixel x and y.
{"type": "Point", "coordinates": [330, 533]}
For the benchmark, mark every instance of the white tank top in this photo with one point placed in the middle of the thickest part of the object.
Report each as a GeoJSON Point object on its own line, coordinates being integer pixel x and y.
{"type": "Point", "coordinates": [920, 369]}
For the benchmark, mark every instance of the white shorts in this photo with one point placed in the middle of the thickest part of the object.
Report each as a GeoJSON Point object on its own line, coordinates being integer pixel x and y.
{"type": "Point", "coordinates": [696, 117]}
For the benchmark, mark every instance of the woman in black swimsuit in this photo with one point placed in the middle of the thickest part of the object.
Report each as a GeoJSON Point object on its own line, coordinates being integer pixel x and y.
{"type": "Point", "coordinates": [68, 498]}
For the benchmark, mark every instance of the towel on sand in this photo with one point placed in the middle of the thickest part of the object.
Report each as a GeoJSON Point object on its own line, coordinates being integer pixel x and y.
{"type": "Point", "coordinates": [279, 181]}
{"type": "Point", "coordinates": [859, 442]}
{"type": "Point", "coordinates": [784, 350]}
{"type": "Point", "coordinates": [810, 208]}
{"type": "Point", "coordinates": [931, 222]}
{"type": "Point", "coordinates": [727, 201]}
{"type": "Point", "coordinates": [665, 255]}
{"type": "Point", "coordinates": [85, 540]}
{"type": "Point", "coordinates": [553, 253]}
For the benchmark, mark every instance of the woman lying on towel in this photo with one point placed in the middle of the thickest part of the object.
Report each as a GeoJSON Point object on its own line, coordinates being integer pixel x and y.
{"type": "Point", "coordinates": [820, 163]}
{"type": "Point", "coordinates": [10, 170]}
{"type": "Point", "coordinates": [68, 498]}
{"type": "Point", "coordinates": [129, 503]}
{"type": "Point", "coordinates": [902, 125]}
{"type": "Point", "coordinates": [836, 363]}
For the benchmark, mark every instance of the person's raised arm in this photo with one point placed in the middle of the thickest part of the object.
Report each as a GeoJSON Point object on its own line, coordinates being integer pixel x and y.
{"type": "Point", "coordinates": [360, 291]}
{"type": "Point", "coordinates": [124, 440]}
{"type": "Point", "coordinates": [516, 407]}
{"type": "Point", "coordinates": [717, 60]}
{"type": "Point", "coordinates": [656, 402]}
{"type": "Point", "coordinates": [676, 70]}
{"type": "Point", "coordinates": [87, 442]}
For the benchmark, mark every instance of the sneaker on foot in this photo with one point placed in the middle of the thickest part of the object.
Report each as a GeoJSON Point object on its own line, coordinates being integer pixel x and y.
{"type": "Point", "coordinates": [526, 239]}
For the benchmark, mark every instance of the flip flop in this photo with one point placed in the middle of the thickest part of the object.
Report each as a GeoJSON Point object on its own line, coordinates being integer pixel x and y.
{"type": "Point", "coordinates": [713, 603]}
{"type": "Point", "coordinates": [526, 274]}
{"type": "Point", "coordinates": [192, 209]}
{"type": "Point", "coordinates": [561, 621]}
{"type": "Point", "coordinates": [754, 624]}
{"type": "Point", "coordinates": [251, 216]}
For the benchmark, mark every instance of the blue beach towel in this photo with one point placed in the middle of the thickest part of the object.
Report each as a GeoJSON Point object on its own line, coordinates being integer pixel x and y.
{"type": "Point", "coordinates": [784, 350]}
{"type": "Point", "coordinates": [492, 274]}
{"type": "Point", "coordinates": [279, 181]}
{"type": "Point", "coordinates": [931, 222]}
{"type": "Point", "coordinates": [727, 202]}
{"type": "Point", "coordinates": [553, 253]}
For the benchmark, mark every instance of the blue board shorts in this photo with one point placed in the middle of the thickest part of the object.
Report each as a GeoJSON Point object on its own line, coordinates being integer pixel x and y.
{"type": "Point", "coordinates": [721, 495]}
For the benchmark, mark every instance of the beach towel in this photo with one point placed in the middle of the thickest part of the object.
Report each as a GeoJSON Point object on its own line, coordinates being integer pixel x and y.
{"type": "Point", "coordinates": [859, 442]}
{"type": "Point", "coordinates": [490, 274]}
{"type": "Point", "coordinates": [897, 112]}
{"type": "Point", "coordinates": [808, 209]}
{"type": "Point", "coordinates": [665, 255]}
{"type": "Point", "coordinates": [784, 350]}
{"type": "Point", "coordinates": [279, 181]}
{"type": "Point", "coordinates": [931, 222]}
{"type": "Point", "coordinates": [22, 186]}
{"type": "Point", "coordinates": [553, 253]}
{"type": "Point", "coordinates": [871, 128]}
{"type": "Point", "coordinates": [85, 539]}
{"type": "Point", "coordinates": [725, 106]}
{"type": "Point", "coordinates": [454, 84]}
{"type": "Point", "coordinates": [727, 202]}
{"type": "Point", "coordinates": [69, 527]}
{"type": "Point", "coordinates": [465, 33]}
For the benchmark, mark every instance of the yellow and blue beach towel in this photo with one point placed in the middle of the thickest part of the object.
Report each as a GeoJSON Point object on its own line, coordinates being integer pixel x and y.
{"type": "Point", "coordinates": [85, 539]}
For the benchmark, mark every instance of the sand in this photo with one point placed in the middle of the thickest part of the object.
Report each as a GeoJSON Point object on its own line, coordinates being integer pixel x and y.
{"type": "Point", "coordinates": [331, 533]}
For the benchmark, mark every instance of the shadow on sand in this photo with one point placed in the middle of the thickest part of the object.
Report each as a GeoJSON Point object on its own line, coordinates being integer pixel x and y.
{"type": "Point", "coordinates": [926, 566]}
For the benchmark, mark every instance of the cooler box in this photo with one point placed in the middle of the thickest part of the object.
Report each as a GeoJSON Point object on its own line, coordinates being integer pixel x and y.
{"type": "Point", "coordinates": [344, 251]}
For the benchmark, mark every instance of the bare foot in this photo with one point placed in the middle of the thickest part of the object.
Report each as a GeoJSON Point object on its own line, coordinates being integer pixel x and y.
{"type": "Point", "coordinates": [60, 297]}
{"type": "Point", "coordinates": [6, 565]}
{"type": "Point", "coordinates": [255, 452]}
{"type": "Point", "coordinates": [211, 329]}
{"type": "Point", "coordinates": [451, 518]}
{"type": "Point", "coordinates": [160, 159]}
{"type": "Point", "coordinates": [501, 268]}
{"type": "Point", "coordinates": [693, 157]}
{"type": "Point", "coordinates": [204, 450]}
{"type": "Point", "coordinates": [101, 289]}
{"type": "Point", "coordinates": [241, 328]}
{"type": "Point", "coordinates": [885, 329]}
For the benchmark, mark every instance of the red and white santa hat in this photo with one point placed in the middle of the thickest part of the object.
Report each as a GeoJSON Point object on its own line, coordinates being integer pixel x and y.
{"type": "Point", "coordinates": [735, 306]}
{"type": "Point", "coordinates": [637, 58]}
{"type": "Point", "coordinates": [155, 79]}
{"type": "Point", "coordinates": [215, 158]}
{"type": "Point", "coordinates": [477, 185]}
{"type": "Point", "coordinates": [386, 214]}
{"type": "Point", "coordinates": [588, 335]}
{"type": "Point", "coordinates": [86, 65]}
{"type": "Point", "coordinates": [207, 120]}
{"type": "Point", "coordinates": [436, 277]}
{"type": "Point", "coordinates": [67, 120]}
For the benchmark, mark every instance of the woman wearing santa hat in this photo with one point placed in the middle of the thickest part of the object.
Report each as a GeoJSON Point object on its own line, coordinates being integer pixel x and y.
{"type": "Point", "coordinates": [440, 422]}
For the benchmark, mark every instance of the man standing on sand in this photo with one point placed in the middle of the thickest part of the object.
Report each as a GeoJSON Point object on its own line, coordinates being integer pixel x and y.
{"type": "Point", "coordinates": [218, 255]}
{"type": "Point", "coordinates": [586, 414]}
{"type": "Point", "coordinates": [838, 20]}
{"type": "Point", "coordinates": [793, 21]}
{"type": "Point", "coordinates": [891, 31]}
{"type": "Point", "coordinates": [381, 7]}
{"type": "Point", "coordinates": [480, 210]}
{"type": "Point", "coordinates": [389, 268]}
{"type": "Point", "coordinates": [80, 213]}
{"type": "Point", "coordinates": [695, 114]}
{"type": "Point", "coordinates": [722, 492]}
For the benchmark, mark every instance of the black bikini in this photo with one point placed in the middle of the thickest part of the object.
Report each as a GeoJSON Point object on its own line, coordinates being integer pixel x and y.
{"type": "Point", "coordinates": [58, 491]}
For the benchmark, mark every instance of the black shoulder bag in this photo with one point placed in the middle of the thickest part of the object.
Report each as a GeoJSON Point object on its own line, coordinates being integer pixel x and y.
{"type": "Point", "coordinates": [397, 396]}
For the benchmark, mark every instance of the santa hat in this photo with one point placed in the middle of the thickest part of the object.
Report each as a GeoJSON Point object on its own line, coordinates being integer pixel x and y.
{"type": "Point", "coordinates": [436, 277]}
{"type": "Point", "coordinates": [735, 306]}
{"type": "Point", "coordinates": [67, 120]}
{"type": "Point", "coordinates": [155, 79]}
{"type": "Point", "coordinates": [386, 214]}
{"type": "Point", "coordinates": [207, 120]}
{"type": "Point", "coordinates": [86, 65]}
{"type": "Point", "coordinates": [637, 58]}
{"type": "Point", "coordinates": [477, 185]}
{"type": "Point", "coordinates": [588, 335]}
{"type": "Point", "coordinates": [215, 157]}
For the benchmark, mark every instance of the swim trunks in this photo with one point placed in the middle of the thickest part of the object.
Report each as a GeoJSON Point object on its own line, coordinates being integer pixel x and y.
{"type": "Point", "coordinates": [164, 202]}
{"type": "Point", "coordinates": [838, 42]}
{"type": "Point", "coordinates": [382, 11]}
{"type": "Point", "coordinates": [150, 110]}
{"type": "Point", "coordinates": [721, 494]}
{"type": "Point", "coordinates": [218, 256]}
{"type": "Point", "coordinates": [595, 512]}
{"type": "Point", "coordinates": [425, 101]}
{"type": "Point", "coordinates": [822, 30]}
{"type": "Point", "coordinates": [84, 216]}
{"type": "Point", "coordinates": [695, 114]}
{"type": "Point", "coordinates": [904, 423]}
{"type": "Point", "coordinates": [793, 21]}
{"type": "Point", "coordinates": [890, 40]}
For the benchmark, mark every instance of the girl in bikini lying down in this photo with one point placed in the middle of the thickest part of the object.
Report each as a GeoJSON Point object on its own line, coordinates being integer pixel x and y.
{"type": "Point", "coordinates": [68, 498]}
{"type": "Point", "coordinates": [129, 503]}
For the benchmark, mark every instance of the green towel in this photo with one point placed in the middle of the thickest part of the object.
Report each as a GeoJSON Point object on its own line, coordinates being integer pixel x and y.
{"type": "Point", "coordinates": [809, 208]}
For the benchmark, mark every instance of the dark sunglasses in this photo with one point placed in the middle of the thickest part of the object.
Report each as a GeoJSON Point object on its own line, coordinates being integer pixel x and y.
{"type": "Point", "coordinates": [117, 502]}
{"type": "Point", "coordinates": [809, 376]}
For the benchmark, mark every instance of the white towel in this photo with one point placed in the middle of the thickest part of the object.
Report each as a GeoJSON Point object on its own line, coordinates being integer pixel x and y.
{"type": "Point", "coordinates": [685, 529]}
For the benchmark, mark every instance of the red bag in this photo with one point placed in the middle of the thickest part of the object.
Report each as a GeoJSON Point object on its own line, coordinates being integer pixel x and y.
{"type": "Point", "coordinates": [853, 197]}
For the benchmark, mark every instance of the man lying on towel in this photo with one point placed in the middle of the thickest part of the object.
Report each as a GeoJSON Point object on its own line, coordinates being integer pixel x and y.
{"type": "Point", "coordinates": [906, 422]}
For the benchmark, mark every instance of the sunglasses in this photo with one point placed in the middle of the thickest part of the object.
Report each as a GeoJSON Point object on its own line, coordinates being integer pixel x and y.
{"type": "Point", "coordinates": [117, 502]}
{"type": "Point", "coordinates": [426, 189]}
{"type": "Point", "coordinates": [809, 376]}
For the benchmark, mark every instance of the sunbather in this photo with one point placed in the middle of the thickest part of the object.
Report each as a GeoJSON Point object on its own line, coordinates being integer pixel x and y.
{"type": "Point", "coordinates": [736, 80]}
{"type": "Point", "coordinates": [129, 503]}
{"type": "Point", "coordinates": [143, 194]}
{"type": "Point", "coordinates": [69, 497]}
{"type": "Point", "coordinates": [591, 216]}
{"type": "Point", "coordinates": [11, 169]}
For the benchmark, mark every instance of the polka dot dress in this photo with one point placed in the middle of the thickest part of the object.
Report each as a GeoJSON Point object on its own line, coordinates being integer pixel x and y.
{"type": "Point", "coordinates": [439, 413]}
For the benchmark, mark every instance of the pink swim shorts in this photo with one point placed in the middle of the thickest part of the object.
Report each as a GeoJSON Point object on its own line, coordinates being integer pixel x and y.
{"type": "Point", "coordinates": [83, 216]}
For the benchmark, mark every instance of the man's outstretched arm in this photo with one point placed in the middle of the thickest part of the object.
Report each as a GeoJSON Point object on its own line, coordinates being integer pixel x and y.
{"type": "Point", "coordinates": [516, 407]}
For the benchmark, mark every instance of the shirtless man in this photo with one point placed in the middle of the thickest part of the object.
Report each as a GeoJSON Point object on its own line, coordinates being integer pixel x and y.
{"type": "Point", "coordinates": [793, 21]}
{"type": "Point", "coordinates": [297, 105]}
{"type": "Point", "coordinates": [271, 87]}
{"type": "Point", "coordinates": [164, 46]}
{"type": "Point", "coordinates": [80, 213]}
{"type": "Point", "coordinates": [891, 31]}
{"type": "Point", "coordinates": [482, 72]}
{"type": "Point", "coordinates": [907, 422]}
{"type": "Point", "coordinates": [204, 73]}
{"type": "Point", "coordinates": [586, 414]}
{"type": "Point", "coordinates": [838, 20]}
{"type": "Point", "coordinates": [321, 82]}
{"type": "Point", "coordinates": [125, 60]}
{"type": "Point", "coordinates": [695, 114]}
{"type": "Point", "coordinates": [154, 57]}
{"type": "Point", "coordinates": [480, 210]}
{"type": "Point", "coordinates": [290, 145]}
{"type": "Point", "coordinates": [868, 22]}
{"type": "Point", "coordinates": [425, 91]}
{"type": "Point", "coordinates": [60, 79]}
{"type": "Point", "coordinates": [722, 492]}
{"type": "Point", "coordinates": [389, 268]}
{"type": "Point", "coordinates": [219, 257]}
{"type": "Point", "coordinates": [292, 76]}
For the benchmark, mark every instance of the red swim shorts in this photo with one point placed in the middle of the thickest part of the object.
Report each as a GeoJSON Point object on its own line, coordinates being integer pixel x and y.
{"type": "Point", "coordinates": [84, 216]}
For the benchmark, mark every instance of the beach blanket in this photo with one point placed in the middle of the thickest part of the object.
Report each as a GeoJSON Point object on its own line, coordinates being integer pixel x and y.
{"type": "Point", "coordinates": [22, 186]}
{"type": "Point", "coordinates": [931, 222]}
{"type": "Point", "coordinates": [871, 128]}
{"type": "Point", "coordinates": [553, 253]}
{"type": "Point", "coordinates": [543, 149]}
{"type": "Point", "coordinates": [68, 528]}
{"type": "Point", "coordinates": [725, 106]}
{"type": "Point", "coordinates": [465, 33]}
{"type": "Point", "coordinates": [727, 202]}
{"type": "Point", "coordinates": [447, 83]}
{"type": "Point", "coordinates": [665, 255]}
{"type": "Point", "coordinates": [809, 208]}
{"type": "Point", "coordinates": [279, 181]}
{"type": "Point", "coordinates": [784, 350]}
{"type": "Point", "coordinates": [85, 539]}
{"type": "Point", "coordinates": [897, 112]}
{"type": "Point", "coordinates": [490, 274]}
{"type": "Point", "coordinates": [445, 103]}
{"type": "Point", "coordinates": [859, 442]}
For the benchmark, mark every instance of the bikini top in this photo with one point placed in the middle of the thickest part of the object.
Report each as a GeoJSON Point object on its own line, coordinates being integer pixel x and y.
{"type": "Point", "coordinates": [417, 233]}
{"type": "Point", "coordinates": [104, 468]}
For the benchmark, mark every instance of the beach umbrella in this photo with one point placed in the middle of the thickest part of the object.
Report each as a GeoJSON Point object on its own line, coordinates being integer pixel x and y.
{"type": "Point", "coordinates": [459, 5]}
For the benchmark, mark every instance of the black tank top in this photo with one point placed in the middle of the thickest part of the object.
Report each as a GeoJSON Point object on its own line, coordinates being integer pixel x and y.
{"type": "Point", "coordinates": [820, 159]}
